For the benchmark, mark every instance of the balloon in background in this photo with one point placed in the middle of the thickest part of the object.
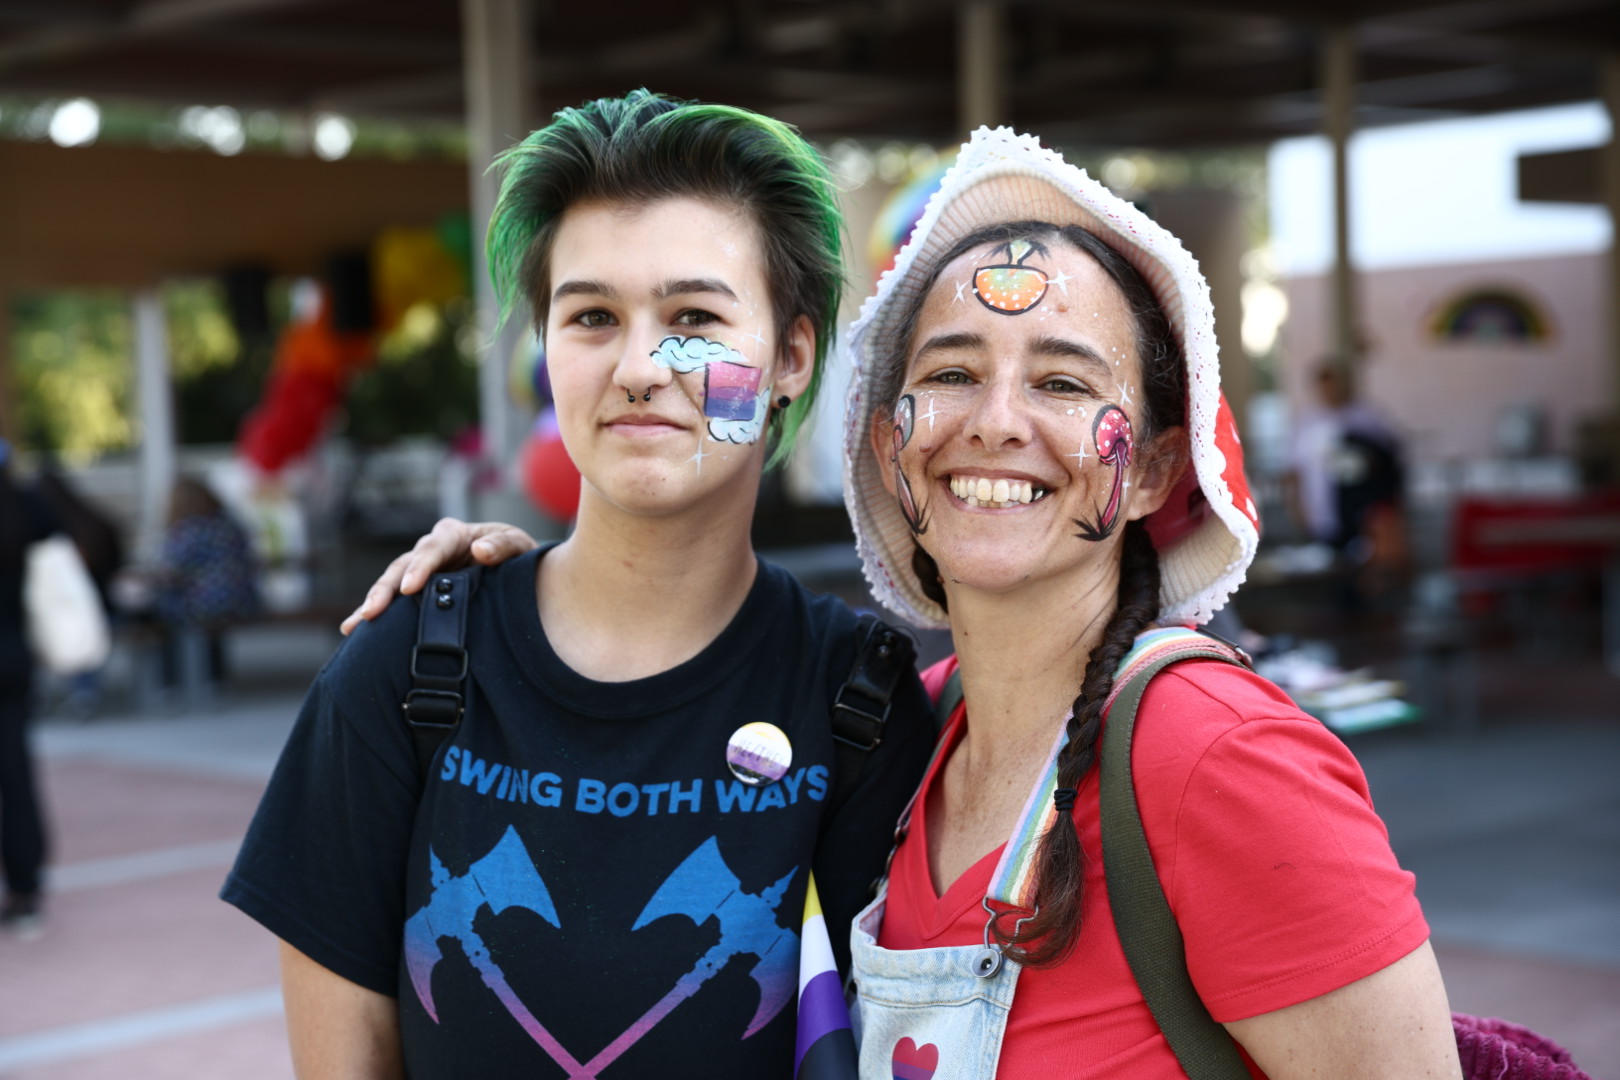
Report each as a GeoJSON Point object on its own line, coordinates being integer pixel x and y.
{"type": "Point", "coordinates": [527, 383]}
{"type": "Point", "coordinates": [900, 213]}
{"type": "Point", "coordinates": [549, 477]}
{"type": "Point", "coordinates": [412, 266]}
{"type": "Point", "coordinates": [313, 363]}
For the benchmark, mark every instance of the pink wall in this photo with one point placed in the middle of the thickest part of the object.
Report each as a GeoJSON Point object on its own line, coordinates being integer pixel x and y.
{"type": "Point", "coordinates": [1444, 396]}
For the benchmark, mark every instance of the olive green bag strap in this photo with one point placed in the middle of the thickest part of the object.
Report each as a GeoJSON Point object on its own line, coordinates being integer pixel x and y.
{"type": "Point", "coordinates": [1142, 917]}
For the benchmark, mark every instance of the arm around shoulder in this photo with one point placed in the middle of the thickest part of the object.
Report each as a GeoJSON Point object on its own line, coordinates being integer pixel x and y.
{"type": "Point", "coordinates": [338, 1030]}
{"type": "Point", "coordinates": [1394, 1024]}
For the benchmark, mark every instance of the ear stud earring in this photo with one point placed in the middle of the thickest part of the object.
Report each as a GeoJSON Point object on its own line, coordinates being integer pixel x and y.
{"type": "Point", "coordinates": [783, 402]}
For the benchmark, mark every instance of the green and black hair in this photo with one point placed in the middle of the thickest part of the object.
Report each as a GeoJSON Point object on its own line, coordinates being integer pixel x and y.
{"type": "Point", "coordinates": [644, 147]}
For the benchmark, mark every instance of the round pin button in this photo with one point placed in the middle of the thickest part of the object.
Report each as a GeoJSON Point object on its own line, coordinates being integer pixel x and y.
{"type": "Point", "coordinates": [759, 753]}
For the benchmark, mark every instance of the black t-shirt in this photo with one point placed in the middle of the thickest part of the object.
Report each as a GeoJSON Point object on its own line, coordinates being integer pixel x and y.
{"type": "Point", "coordinates": [582, 880]}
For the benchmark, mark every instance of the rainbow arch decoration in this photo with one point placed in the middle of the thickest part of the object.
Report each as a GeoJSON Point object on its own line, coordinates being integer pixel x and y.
{"type": "Point", "coordinates": [899, 214]}
{"type": "Point", "coordinates": [1490, 315]}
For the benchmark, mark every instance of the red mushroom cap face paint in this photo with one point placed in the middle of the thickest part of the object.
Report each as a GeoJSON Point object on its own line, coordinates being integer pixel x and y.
{"type": "Point", "coordinates": [1111, 433]}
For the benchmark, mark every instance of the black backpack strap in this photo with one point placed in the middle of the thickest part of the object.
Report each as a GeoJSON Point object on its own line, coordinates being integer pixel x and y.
{"type": "Point", "coordinates": [883, 656]}
{"type": "Point", "coordinates": [1142, 917]}
{"type": "Point", "coordinates": [437, 698]}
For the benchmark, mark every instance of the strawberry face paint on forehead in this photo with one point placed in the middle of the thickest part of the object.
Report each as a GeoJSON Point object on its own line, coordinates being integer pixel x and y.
{"type": "Point", "coordinates": [1010, 287]}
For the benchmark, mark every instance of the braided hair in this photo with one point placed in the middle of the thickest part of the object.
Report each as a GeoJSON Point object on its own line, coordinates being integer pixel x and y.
{"type": "Point", "coordinates": [1047, 938]}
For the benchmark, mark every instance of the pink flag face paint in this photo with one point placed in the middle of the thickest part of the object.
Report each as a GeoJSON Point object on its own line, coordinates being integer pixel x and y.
{"type": "Point", "coordinates": [730, 390]}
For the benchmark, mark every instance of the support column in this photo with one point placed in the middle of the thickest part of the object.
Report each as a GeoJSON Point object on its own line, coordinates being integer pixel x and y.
{"type": "Point", "coordinates": [981, 85]}
{"type": "Point", "coordinates": [495, 59]}
{"type": "Point", "coordinates": [8, 380]}
{"type": "Point", "coordinates": [1610, 180]}
{"type": "Point", "coordinates": [1338, 77]}
{"type": "Point", "coordinates": [156, 459]}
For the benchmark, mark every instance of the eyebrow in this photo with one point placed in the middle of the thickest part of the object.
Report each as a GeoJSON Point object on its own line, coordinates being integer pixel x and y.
{"type": "Point", "coordinates": [586, 287]}
{"type": "Point", "coordinates": [693, 285]}
{"type": "Point", "coordinates": [1044, 345]}
{"type": "Point", "coordinates": [679, 287]}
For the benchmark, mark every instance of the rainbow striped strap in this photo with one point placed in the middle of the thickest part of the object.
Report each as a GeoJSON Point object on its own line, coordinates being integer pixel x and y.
{"type": "Point", "coordinates": [1012, 884]}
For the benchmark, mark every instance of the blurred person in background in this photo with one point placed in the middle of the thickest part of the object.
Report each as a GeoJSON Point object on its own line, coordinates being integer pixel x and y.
{"type": "Point", "coordinates": [1347, 481]}
{"type": "Point", "coordinates": [102, 549]}
{"type": "Point", "coordinates": [24, 519]}
{"type": "Point", "coordinates": [206, 579]}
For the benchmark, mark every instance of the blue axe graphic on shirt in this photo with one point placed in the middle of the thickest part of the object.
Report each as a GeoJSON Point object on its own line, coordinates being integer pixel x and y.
{"type": "Point", "coordinates": [701, 888]}
{"type": "Point", "coordinates": [504, 878]}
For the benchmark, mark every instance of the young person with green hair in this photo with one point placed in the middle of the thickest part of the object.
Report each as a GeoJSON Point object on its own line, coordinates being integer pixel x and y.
{"type": "Point", "coordinates": [603, 870]}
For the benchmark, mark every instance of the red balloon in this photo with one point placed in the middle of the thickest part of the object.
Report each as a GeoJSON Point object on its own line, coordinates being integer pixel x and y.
{"type": "Point", "coordinates": [549, 477]}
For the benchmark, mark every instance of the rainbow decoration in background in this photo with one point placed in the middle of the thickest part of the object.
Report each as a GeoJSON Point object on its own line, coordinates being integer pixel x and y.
{"type": "Point", "coordinates": [900, 213]}
{"type": "Point", "coordinates": [825, 1045]}
{"type": "Point", "coordinates": [1491, 316]}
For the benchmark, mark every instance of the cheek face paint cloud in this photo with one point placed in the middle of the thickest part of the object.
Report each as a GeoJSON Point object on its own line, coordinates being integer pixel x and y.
{"type": "Point", "coordinates": [733, 400]}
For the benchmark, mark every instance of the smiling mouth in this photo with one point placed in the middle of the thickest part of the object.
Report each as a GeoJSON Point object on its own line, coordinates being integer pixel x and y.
{"type": "Point", "coordinates": [995, 494]}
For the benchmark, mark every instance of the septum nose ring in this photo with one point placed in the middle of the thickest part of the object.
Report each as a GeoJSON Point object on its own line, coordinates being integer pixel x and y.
{"type": "Point", "coordinates": [630, 395]}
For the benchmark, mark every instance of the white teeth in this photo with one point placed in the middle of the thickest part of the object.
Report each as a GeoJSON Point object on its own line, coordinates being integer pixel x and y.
{"type": "Point", "coordinates": [996, 494]}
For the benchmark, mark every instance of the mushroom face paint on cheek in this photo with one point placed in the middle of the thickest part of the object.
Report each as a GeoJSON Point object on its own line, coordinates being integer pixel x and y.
{"type": "Point", "coordinates": [905, 413]}
{"type": "Point", "coordinates": [1111, 433]}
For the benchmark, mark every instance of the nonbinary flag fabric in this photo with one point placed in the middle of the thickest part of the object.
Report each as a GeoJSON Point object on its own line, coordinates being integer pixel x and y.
{"type": "Point", "coordinates": [825, 1048]}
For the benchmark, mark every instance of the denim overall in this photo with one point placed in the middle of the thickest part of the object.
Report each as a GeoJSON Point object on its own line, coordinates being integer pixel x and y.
{"type": "Point", "coordinates": [924, 1014]}
{"type": "Point", "coordinates": [941, 1014]}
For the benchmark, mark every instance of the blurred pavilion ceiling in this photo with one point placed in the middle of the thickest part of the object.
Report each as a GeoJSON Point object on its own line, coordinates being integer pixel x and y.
{"type": "Point", "coordinates": [1169, 73]}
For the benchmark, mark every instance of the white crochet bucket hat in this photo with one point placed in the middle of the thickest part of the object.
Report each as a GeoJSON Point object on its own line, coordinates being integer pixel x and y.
{"type": "Point", "coordinates": [1207, 531]}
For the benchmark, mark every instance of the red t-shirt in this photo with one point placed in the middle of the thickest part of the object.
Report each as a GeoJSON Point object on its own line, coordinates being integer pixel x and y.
{"type": "Point", "coordinates": [1263, 832]}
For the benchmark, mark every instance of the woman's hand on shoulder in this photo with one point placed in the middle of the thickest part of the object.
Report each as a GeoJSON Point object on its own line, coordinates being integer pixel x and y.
{"type": "Point", "coordinates": [451, 545]}
{"type": "Point", "coordinates": [1393, 1024]}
